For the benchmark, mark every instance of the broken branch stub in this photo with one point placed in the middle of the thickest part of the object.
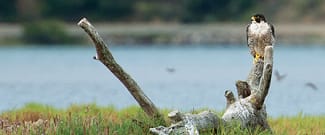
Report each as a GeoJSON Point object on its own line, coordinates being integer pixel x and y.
{"type": "Point", "coordinates": [243, 89]}
{"type": "Point", "coordinates": [105, 57]}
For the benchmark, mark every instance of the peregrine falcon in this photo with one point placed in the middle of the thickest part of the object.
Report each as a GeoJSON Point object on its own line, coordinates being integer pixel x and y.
{"type": "Point", "coordinates": [260, 34]}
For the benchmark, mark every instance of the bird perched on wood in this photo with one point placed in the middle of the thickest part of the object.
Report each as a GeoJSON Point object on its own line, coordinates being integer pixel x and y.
{"type": "Point", "coordinates": [260, 34]}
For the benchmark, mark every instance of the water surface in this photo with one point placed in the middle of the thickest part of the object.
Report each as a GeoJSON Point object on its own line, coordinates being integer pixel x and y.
{"type": "Point", "coordinates": [62, 76]}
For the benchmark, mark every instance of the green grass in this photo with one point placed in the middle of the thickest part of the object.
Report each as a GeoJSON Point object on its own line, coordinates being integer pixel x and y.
{"type": "Point", "coordinates": [36, 119]}
{"type": "Point", "coordinates": [299, 125]}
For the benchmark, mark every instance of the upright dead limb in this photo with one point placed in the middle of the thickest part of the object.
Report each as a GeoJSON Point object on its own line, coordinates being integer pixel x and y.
{"type": "Point", "coordinates": [248, 110]}
{"type": "Point", "coordinates": [105, 57]}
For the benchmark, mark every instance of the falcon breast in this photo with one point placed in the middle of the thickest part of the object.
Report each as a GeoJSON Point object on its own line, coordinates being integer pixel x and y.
{"type": "Point", "coordinates": [260, 34]}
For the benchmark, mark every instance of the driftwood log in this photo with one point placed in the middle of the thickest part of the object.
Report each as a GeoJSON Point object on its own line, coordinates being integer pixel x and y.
{"type": "Point", "coordinates": [248, 109]}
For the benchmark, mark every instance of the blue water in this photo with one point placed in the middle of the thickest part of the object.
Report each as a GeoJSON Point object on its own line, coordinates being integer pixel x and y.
{"type": "Point", "coordinates": [68, 75]}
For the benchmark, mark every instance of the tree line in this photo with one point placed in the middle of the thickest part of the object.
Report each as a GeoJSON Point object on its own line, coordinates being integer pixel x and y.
{"type": "Point", "coordinates": [125, 10]}
{"type": "Point", "coordinates": [184, 11]}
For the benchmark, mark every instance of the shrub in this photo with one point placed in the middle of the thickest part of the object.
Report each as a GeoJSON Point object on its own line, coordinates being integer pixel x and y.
{"type": "Point", "coordinates": [46, 32]}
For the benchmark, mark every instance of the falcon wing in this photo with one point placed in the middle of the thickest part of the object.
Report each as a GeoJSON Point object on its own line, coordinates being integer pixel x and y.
{"type": "Point", "coordinates": [272, 29]}
{"type": "Point", "coordinates": [273, 34]}
{"type": "Point", "coordinates": [247, 33]}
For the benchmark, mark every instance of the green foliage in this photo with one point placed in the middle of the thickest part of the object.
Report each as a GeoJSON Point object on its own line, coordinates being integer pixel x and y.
{"type": "Point", "coordinates": [115, 9]}
{"type": "Point", "coordinates": [213, 10]}
{"type": "Point", "coordinates": [300, 124]}
{"type": "Point", "coordinates": [160, 10]}
{"type": "Point", "coordinates": [73, 10]}
{"type": "Point", "coordinates": [77, 119]}
{"type": "Point", "coordinates": [126, 10]}
{"type": "Point", "coordinates": [198, 10]}
{"type": "Point", "coordinates": [36, 107]}
{"type": "Point", "coordinates": [7, 10]}
{"type": "Point", "coordinates": [69, 10]}
{"type": "Point", "coordinates": [46, 32]}
{"type": "Point", "coordinates": [91, 119]}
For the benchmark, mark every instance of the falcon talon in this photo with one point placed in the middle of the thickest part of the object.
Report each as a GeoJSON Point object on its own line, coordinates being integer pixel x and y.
{"type": "Point", "coordinates": [255, 60]}
{"type": "Point", "coordinates": [257, 56]}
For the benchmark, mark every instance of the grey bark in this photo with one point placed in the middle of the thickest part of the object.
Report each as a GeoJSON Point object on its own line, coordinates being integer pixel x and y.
{"type": "Point", "coordinates": [230, 98]}
{"type": "Point", "coordinates": [248, 110]}
{"type": "Point", "coordinates": [104, 56]}
{"type": "Point", "coordinates": [188, 124]}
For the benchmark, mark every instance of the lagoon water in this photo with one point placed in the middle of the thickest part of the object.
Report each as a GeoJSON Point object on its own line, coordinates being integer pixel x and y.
{"type": "Point", "coordinates": [61, 76]}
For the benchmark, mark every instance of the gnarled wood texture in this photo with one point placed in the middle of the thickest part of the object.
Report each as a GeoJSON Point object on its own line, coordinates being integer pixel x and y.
{"type": "Point", "coordinates": [188, 124]}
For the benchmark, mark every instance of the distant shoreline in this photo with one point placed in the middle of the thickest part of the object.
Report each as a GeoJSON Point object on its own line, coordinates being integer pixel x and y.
{"type": "Point", "coordinates": [181, 34]}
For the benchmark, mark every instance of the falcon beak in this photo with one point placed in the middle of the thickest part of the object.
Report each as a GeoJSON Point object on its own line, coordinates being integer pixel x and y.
{"type": "Point", "coordinates": [252, 18]}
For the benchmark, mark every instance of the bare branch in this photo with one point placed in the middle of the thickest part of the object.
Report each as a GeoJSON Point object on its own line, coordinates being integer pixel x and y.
{"type": "Point", "coordinates": [265, 81]}
{"type": "Point", "coordinates": [105, 57]}
{"type": "Point", "coordinates": [230, 97]}
{"type": "Point", "coordinates": [243, 89]}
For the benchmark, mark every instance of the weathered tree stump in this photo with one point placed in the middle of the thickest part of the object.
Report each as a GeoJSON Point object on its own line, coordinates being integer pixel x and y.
{"type": "Point", "coordinates": [248, 109]}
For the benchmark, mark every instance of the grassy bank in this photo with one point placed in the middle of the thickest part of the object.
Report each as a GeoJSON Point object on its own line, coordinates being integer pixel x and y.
{"type": "Point", "coordinates": [92, 119]}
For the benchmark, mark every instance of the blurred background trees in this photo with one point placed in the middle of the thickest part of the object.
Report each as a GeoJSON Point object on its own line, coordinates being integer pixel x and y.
{"type": "Point", "coordinates": [46, 32]}
{"type": "Point", "coordinates": [36, 16]}
{"type": "Point", "coordinates": [7, 10]}
{"type": "Point", "coordinates": [183, 11]}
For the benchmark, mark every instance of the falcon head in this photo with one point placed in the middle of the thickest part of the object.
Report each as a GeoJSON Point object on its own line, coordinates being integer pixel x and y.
{"type": "Point", "coordinates": [258, 18]}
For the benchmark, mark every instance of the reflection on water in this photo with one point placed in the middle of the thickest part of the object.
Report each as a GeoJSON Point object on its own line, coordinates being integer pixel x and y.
{"type": "Point", "coordinates": [199, 77]}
